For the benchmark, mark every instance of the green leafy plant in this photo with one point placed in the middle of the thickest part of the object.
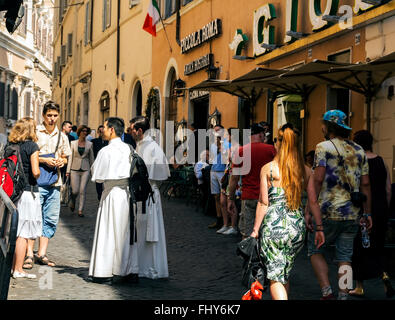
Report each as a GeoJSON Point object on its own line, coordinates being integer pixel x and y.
{"type": "Point", "coordinates": [153, 104]}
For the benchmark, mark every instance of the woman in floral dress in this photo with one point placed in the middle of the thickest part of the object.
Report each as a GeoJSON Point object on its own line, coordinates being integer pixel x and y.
{"type": "Point", "coordinates": [279, 220]}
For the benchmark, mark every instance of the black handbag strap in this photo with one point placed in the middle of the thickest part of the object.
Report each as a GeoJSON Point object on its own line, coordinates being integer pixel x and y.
{"type": "Point", "coordinates": [342, 164]}
{"type": "Point", "coordinates": [57, 144]}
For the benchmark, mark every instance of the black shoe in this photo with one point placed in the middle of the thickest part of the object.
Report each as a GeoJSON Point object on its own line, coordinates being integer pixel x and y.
{"type": "Point", "coordinates": [389, 291]}
{"type": "Point", "coordinates": [100, 280]}
{"type": "Point", "coordinates": [132, 278]}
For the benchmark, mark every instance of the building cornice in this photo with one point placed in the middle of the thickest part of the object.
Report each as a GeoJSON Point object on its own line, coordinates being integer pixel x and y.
{"type": "Point", "coordinates": [15, 47]}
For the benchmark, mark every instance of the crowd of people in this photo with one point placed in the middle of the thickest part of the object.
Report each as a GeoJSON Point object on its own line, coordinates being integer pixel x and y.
{"type": "Point", "coordinates": [288, 199]}
{"type": "Point", "coordinates": [107, 159]}
{"type": "Point", "coordinates": [284, 199]}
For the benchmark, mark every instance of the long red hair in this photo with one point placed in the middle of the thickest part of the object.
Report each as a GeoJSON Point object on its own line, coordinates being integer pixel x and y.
{"type": "Point", "coordinates": [291, 165]}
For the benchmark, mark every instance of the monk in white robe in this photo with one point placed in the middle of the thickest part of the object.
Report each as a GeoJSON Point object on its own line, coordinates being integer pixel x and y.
{"type": "Point", "coordinates": [151, 239]}
{"type": "Point", "coordinates": [112, 254]}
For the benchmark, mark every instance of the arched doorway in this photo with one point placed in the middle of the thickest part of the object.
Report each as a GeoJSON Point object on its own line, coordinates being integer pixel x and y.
{"type": "Point", "coordinates": [105, 106]}
{"type": "Point", "coordinates": [171, 110]}
{"type": "Point", "coordinates": [137, 100]}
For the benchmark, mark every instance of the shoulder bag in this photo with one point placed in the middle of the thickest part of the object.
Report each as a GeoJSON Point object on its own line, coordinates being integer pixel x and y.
{"type": "Point", "coordinates": [48, 175]}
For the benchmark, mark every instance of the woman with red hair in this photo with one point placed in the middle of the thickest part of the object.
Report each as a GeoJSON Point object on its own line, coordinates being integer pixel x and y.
{"type": "Point", "coordinates": [279, 220]}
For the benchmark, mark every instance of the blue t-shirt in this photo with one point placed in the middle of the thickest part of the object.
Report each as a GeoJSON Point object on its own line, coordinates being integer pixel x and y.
{"type": "Point", "coordinates": [221, 158]}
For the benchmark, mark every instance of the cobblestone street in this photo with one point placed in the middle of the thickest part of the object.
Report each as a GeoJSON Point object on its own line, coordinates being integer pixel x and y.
{"type": "Point", "coordinates": [202, 264]}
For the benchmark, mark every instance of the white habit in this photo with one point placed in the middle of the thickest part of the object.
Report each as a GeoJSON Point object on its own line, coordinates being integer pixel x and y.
{"type": "Point", "coordinates": [151, 239]}
{"type": "Point", "coordinates": [112, 253]}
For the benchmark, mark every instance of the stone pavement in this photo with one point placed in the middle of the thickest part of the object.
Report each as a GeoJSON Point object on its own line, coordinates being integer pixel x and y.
{"type": "Point", "coordinates": [202, 264]}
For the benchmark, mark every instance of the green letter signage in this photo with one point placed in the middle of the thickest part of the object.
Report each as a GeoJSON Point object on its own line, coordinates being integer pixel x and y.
{"type": "Point", "coordinates": [239, 42]}
{"type": "Point", "coordinates": [316, 14]}
{"type": "Point", "coordinates": [291, 18]}
{"type": "Point", "coordinates": [263, 34]}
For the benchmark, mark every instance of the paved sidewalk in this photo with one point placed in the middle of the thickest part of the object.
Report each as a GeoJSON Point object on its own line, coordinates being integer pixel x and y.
{"type": "Point", "coordinates": [202, 264]}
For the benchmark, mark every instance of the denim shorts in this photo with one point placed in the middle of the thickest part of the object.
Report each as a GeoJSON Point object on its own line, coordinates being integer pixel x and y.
{"type": "Point", "coordinates": [341, 233]}
{"type": "Point", "coordinates": [50, 206]}
{"type": "Point", "coordinates": [215, 177]}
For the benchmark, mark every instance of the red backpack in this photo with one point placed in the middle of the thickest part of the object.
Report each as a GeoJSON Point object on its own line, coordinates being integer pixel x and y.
{"type": "Point", "coordinates": [12, 176]}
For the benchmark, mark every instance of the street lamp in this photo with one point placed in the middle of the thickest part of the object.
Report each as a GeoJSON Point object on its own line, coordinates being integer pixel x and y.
{"type": "Point", "coordinates": [36, 63]}
{"type": "Point", "coordinates": [212, 72]}
{"type": "Point", "coordinates": [179, 86]}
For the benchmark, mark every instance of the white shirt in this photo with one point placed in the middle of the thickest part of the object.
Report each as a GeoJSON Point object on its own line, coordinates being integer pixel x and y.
{"type": "Point", "coordinates": [112, 162]}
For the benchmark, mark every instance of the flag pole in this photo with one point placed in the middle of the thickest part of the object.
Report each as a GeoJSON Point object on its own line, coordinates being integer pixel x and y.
{"type": "Point", "coordinates": [164, 28]}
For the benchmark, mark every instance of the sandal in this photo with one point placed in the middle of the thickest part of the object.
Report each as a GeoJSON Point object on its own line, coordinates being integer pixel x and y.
{"type": "Point", "coordinates": [43, 260]}
{"type": "Point", "coordinates": [28, 264]}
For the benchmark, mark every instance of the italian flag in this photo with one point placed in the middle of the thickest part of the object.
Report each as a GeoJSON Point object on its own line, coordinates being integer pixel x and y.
{"type": "Point", "coordinates": [153, 17]}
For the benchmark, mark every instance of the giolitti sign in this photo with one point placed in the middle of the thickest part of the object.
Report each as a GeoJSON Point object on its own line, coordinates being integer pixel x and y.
{"type": "Point", "coordinates": [321, 14]}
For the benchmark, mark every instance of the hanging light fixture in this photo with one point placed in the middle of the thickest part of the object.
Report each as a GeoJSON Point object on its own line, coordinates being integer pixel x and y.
{"type": "Point", "coordinates": [179, 88]}
{"type": "Point", "coordinates": [212, 72]}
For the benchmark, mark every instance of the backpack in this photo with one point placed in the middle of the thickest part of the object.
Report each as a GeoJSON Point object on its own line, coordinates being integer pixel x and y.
{"type": "Point", "coordinates": [12, 176]}
{"type": "Point", "coordinates": [139, 186]}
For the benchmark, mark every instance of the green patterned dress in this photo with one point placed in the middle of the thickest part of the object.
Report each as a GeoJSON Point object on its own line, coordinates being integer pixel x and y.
{"type": "Point", "coordinates": [282, 235]}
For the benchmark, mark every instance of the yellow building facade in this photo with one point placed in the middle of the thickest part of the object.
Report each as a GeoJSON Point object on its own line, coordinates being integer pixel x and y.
{"type": "Point", "coordinates": [102, 60]}
{"type": "Point", "coordinates": [235, 37]}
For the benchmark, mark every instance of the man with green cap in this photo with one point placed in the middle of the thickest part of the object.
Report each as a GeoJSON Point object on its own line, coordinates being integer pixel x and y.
{"type": "Point", "coordinates": [340, 179]}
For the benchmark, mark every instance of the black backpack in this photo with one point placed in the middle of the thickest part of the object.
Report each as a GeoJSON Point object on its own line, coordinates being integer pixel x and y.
{"type": "Point", "coordinates": [12, 176]}
{"type": "Point", "coordinates": [139, 186]}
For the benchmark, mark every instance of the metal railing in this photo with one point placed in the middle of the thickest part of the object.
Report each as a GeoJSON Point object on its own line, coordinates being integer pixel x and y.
{"type": "Point", "coordinates": [8, 233]}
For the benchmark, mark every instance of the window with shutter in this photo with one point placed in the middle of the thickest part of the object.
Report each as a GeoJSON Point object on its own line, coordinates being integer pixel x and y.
{"type": "Point", "coordinates": [2, 96]}
{"type": "Point", "coordinates": [70, 44]}
{"type": "Point", "coordinates": [106, 14]}
{"type": "Point", "coordinates": [55, 70]}
{"type": "Point", "coordinates": [27, 103]}
{"type": "Point", "coordinates": [14, 105]}
{"type": "Point", "coordinates": [22, 29]}
{"type": "Point", "coordinates": [63, 56]}
{"type": "Point", "coordinates": [58, 66]}
{"type": "Point", "coordinates": [87, 36]}
{"type": "Point", "coordinates": [44, 43]}
{"type": "Point", "coordinates": [61, 9]}
{"type": "Point", "coordinates": [133, 3]}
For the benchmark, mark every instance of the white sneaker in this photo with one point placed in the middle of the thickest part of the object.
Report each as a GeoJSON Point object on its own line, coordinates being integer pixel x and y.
{"type": "Point", "coordinates": [17, 274]}
{"type": "Point", "coordinates": [231, 231]}
{"type": "Point", "coordinates": [223, 229]}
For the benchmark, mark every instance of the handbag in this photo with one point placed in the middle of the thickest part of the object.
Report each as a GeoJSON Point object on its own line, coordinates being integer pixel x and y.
{"type": "Point", "coordinates": [48, 175]}
{"type": "Point", "coordinates": [357, 197]}
{"type": "Point", "coordinates": [65, 192]}
{"type": "Point", "coordinates": [253, 267]}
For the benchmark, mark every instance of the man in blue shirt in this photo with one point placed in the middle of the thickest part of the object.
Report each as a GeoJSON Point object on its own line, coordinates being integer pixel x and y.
{"type": "Point", "coordinates": [218, 151]}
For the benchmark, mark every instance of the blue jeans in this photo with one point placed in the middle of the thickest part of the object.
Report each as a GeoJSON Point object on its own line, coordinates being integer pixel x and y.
{"type": "Point", "coordinates": [342, 233]}
{"type": "Point", "coordinates": [50, 205]}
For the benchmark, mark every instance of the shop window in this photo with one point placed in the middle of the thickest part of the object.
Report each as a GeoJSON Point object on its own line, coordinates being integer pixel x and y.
{"type": "Point", "coordinates": [339, 98]}
{"type": "Point", "coordinates": [289, 109]}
